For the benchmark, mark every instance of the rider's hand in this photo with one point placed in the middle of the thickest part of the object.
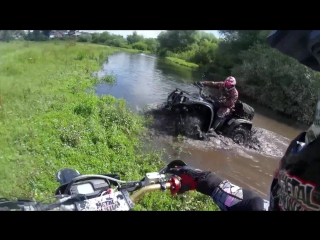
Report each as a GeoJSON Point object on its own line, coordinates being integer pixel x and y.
{"type": "Point", "coordinates": [199, 83]}
{"type": "Point", "coordinates": [194, 179]}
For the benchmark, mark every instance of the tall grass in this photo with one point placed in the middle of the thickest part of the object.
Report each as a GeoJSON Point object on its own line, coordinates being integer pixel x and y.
{"type": "Point", "coordinates": [49, 121]}
{"type": "Point", "coordinates": [183, 62]}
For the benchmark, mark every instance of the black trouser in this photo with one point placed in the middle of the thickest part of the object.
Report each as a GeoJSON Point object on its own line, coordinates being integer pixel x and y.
{"type": "Point", "coordinates": [217, 122]}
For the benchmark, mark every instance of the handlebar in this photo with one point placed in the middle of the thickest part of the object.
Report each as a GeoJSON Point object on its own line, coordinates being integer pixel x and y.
{"type": "Point", "coordinates": [104, 199]}
{"type": "Point", "coordinates": [140, 193]}
{"type": "Point", "coordinates": [75, 205]}
{"type": "Point", "coordinates": [173, 184]}
{"type": "Point", "coordinates": [200, 86]}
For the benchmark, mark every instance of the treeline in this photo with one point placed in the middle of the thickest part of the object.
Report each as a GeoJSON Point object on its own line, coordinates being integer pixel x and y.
{"type": "Point", "coordinates": [133, 41]}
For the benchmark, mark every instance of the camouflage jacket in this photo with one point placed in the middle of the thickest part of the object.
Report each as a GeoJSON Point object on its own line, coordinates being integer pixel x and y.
{"type": "Point", "coordinates": [229, 97]}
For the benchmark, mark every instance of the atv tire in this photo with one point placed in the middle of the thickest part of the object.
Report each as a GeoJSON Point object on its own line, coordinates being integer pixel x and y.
{"type": "Point", "coordinates": [240, 136]}
{"type": "Point", "coordinates": [190, 126]}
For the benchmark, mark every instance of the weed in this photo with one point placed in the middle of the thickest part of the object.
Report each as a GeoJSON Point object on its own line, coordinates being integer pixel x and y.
{"type": "Point", "coordinates": [110, 79]}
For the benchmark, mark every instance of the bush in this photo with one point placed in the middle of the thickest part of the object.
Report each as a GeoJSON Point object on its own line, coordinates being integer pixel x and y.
{"type": "Point", "coordinates": [85, 38]}
{"type": "Point", "coordinates": [278, 82]}
{"type": "Point", "coordinates": [205, 53]}
{"type": "Point", "coordinates": [125, 46]}
{"type": "Point", "coordinates": [140, 46]}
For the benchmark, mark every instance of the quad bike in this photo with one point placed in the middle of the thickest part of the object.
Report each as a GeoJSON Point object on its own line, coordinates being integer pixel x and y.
{"type": "Point", "coordinates": [195, 113]}
{"type": "Point", "coordinates": [103, 192]}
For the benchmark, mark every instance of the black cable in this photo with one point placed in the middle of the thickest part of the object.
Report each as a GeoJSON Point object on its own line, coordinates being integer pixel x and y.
{"type": "Point", "coordinates": [58, 204]}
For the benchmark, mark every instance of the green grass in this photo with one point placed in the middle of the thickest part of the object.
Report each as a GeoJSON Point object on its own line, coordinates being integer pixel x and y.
{"type": "Point", "coordinates": [133, 50]}
{"type": "Point", "coordinates": [48, 122]}
{"type": "Point", "coordinates": [183, 62]}
{"type": "Point", "coordinates": [122, 49]}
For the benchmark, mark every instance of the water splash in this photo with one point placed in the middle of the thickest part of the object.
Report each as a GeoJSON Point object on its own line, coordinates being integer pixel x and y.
{"type": "Point", "coordinates": [262, 141]}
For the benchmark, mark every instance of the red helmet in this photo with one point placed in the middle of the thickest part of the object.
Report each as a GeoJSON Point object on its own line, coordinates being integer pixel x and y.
{"type": "Point", "coordinates": [230, 82]}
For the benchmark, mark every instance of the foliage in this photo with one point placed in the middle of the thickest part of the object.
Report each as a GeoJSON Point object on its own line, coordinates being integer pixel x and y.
{"type": "Point", "coordinates": [110, 79]}
{"type": "Point", "coordinates": [152, 44]}
{"type": "Point", "coordinates": [6, 35]}
{"type": "Point", "coordinates": [182, 62]}
{"type": "Point", "coordinates": [133, 41]}
{"type": "Point", "coordinates": [32, 36]}
{"type": "Point", "coordinates": [85, 38]}
{"type": "Point", "coordinates": [134, 38]}
{"type": "Point", "coordinates": [178, 40]}
{"type": "Point", "coordinates": [274, 80]}
{"type": "Point", "coordinates": [140, 46]}
{"type": "Point", "coordinates": [50, 118]}
{"type": "Point", "coordinates": [205, 54]}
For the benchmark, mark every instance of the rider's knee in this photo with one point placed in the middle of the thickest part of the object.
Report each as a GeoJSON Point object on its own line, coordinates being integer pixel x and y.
{"type": "Point", "coordinates": [222, 112]}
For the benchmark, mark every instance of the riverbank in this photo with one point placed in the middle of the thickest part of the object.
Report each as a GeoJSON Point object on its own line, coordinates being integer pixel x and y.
{"type": "Point", "coordinates": [48, 121]}
{"type": "Point", "coordinates": [120, 49]}
{"type": "Point", "coordinates": [182, 62]}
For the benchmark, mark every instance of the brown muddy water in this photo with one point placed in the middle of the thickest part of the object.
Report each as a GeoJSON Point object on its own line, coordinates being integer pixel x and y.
{"type": "Point", "coordinates": [145, 81]}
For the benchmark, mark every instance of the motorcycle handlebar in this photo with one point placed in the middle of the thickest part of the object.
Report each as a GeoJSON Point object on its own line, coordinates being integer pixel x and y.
{"type": "Point", "coordinates": [173, 184]}
{"type": "Point", "coordinates": [140, 193]}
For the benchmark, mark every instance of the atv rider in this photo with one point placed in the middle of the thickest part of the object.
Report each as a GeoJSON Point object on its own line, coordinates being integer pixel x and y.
{"type": "Point", "coordinates": [296, 182]}
{"type": "Point", "coordinates": [227, 101]}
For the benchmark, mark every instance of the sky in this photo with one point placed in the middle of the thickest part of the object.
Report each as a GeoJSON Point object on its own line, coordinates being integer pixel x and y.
{"type": "Point", "coordinates": [145, 33]}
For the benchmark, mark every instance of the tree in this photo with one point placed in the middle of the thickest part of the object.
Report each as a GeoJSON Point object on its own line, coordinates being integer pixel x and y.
{"type": "Point", "coordinates": [140, 46]}
{"type": "Point", "coordinates": [206, 53]}
{"type": "Point", "coordinates": [6, 35]}
{"type": "Point", "coordinates": [209, 37]}
{"type": "Point", "coordinates": [85, 38]}
{"type": "Point", "coordinates": [278, 81]}
{"type": "Point", "coordinates": [152, 44]}
{"type": "Point", "coordinates": [46, 32]}
{"type": "Point", "coordinates": [95, 37]}
{"type": "Point", "coordinates": [178, 40]}
{"type": "Point", "coordinates": [134, 38]}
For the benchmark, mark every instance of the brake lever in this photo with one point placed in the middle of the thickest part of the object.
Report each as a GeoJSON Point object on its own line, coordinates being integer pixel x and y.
{"type": "Point", "coordinates": [130, 188]}
{"type": "Point", "coordinates": [173, 164]}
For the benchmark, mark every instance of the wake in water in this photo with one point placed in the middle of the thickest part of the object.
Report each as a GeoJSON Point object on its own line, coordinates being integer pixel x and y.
{"type": "Point", "coordinates": [262, 141]}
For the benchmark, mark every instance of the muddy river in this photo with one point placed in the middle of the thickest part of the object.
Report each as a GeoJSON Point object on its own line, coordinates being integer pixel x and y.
{"type": "Point", "coordinates": [145, 81]}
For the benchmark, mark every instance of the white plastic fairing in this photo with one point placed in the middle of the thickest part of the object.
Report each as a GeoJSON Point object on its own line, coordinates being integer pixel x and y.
{"type": "Point", "coordinates": [85, 188]}
{"type": "Point", "coordinates": [109, 202]}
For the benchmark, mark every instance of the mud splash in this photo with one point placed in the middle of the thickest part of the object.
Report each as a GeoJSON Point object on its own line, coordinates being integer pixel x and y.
{"type": "Point", "coordinates": [262, 141]}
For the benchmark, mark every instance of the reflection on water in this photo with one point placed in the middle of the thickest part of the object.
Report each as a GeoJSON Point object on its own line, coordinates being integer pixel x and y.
{"type": "Point", "coordinates": [143, 80]}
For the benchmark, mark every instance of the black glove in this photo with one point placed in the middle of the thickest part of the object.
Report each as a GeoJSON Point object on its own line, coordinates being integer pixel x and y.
{"type": "Point", "coordinates": [196, 179]}
{"type": "Point", "coordinates": [199, 84]}
{"type": "Point", "coordinates": [217, 103]}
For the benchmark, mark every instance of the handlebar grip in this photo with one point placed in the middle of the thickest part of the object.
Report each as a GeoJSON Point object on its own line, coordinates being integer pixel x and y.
{"type": "Point", "coordinates": [173, 184]}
